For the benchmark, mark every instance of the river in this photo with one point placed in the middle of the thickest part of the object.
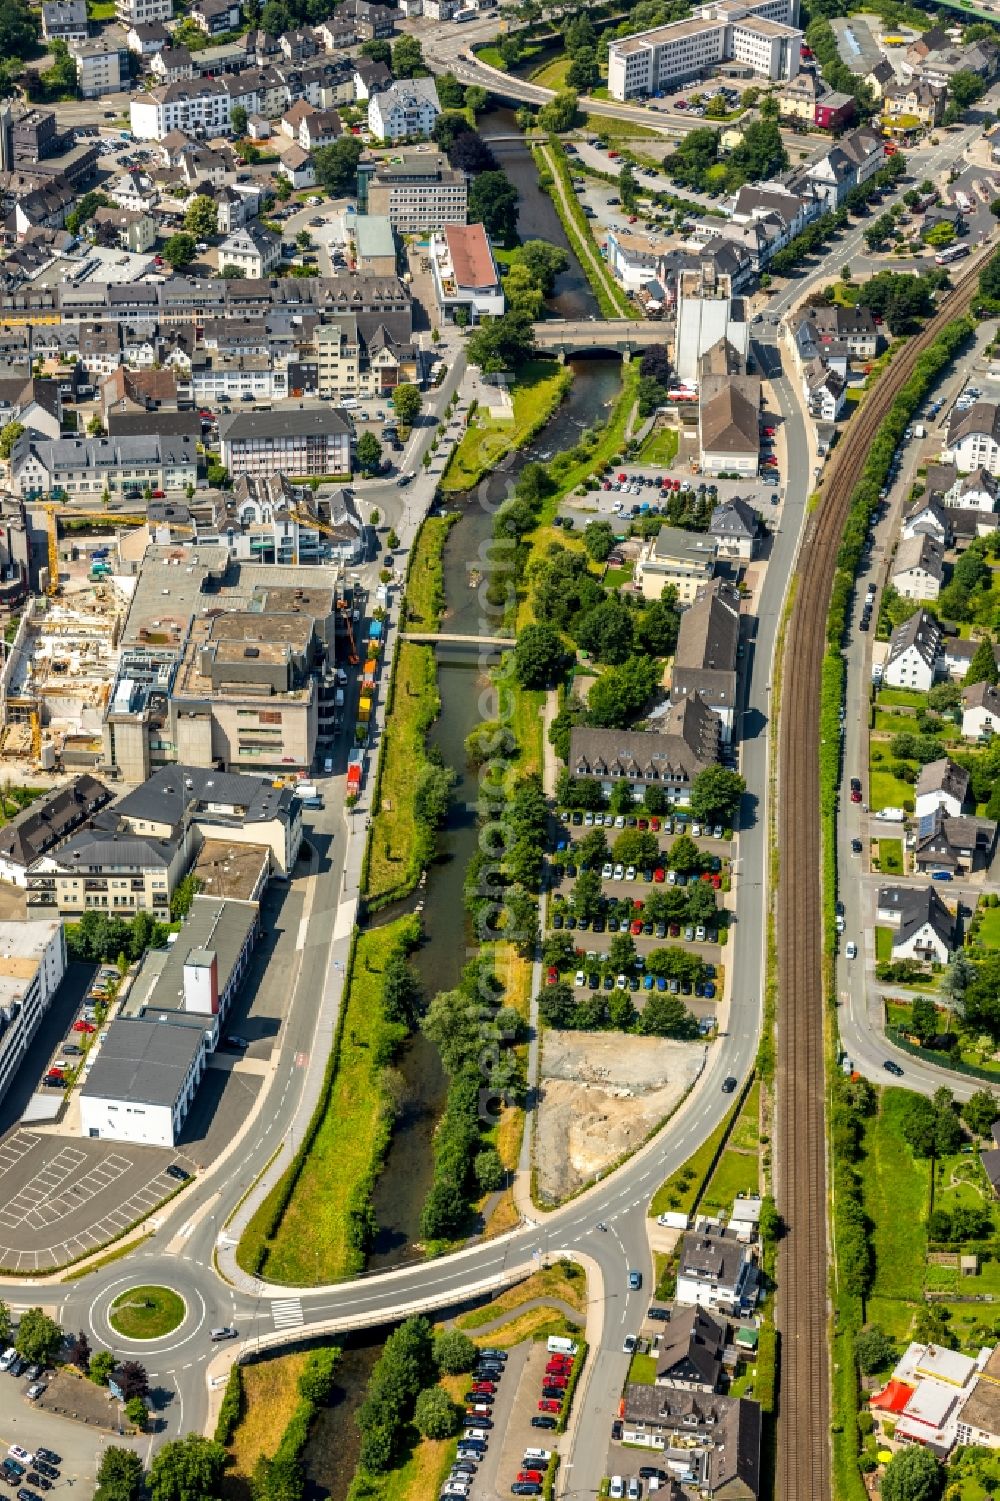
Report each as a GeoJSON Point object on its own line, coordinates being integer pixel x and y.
{"type": "Point", "coordinates": [331, 1453]}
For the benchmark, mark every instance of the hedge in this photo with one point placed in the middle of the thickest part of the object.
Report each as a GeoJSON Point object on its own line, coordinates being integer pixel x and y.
{"type": "Point", "coordinates": [574, 1376]}
{"type": "Point", "coordinates": [231, 1410]}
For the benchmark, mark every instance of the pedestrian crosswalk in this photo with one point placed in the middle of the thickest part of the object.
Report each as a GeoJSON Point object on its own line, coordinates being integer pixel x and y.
{"type": "Point", "coordinates": [287, 1313]}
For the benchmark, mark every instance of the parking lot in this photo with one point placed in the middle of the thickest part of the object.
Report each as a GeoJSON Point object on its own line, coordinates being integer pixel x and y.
{"type": "Point", "coordinates": [61, 1199]}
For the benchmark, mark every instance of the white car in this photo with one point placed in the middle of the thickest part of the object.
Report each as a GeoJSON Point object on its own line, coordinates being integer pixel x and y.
{"type": "Point", "coordinates": [617, 1488]}
{"type": "Point", "coordinates": [22, 1456]}
{"type": "Point", "coordinates": [696, 831]}
{"type": "Point", "coordinates": [620, 821]}
{"type": "Point", "coordinates": [630, 873]}
{"type": "Point", "coordinates": [607, 871]}
{"type": "Point", "coordinates": [851, 950]}
{"type": "Point", "coordinates": [622, 982]}
{"type": "Point", "coordinates": [619, 872]}
{"type": "Point", "coordinates": [699, 933]}
{"type": "Point", "coordinates": [581, 979]}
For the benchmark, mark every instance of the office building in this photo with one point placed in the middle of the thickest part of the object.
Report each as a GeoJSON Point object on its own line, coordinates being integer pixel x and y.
{"type": "Point", "coordinates": [419, 195]}
{"type": "Point", "coordinates": [759, 34]}
{"type": "Point", "coordinates": [32, 965]}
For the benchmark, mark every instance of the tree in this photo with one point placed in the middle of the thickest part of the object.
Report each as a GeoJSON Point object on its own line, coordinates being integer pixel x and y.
{"type": "Point", "coordinates": [608, 630]}
{"type": "Point", "coordinates": [454, 1352]}
{"type": "Point", "coordinates": [407, 58]}
{"type": "Point", "coordinates": [39, 1338]}
{"type": "Point", "coordinates": [179, 250]}
{"type": "Point", "coordinates": [9, 434]}
{"type": "Point", "coordinates": [599, 540]}
{"type": "Point", "coordinates": [560, 114]}
{"type": "Point", "coordinates": [238, 120]}
{"type": "Point", "coordinates": [924, 1018]}
{"type": "Point", "coordinates": [715, 794]}
{"type": "Point", "coordinates": [187, 1469]}
{"type": "Point", "coordinates": [522, 291]}
{"type": "Point", "coordinates": [621, 952]}
{"type": "Point", "coordinates": [18, 30]}
{"type": "Point", "coordinates": [544, 261]}
{"type": "Point", "coordinates": [587, 894]}
{"type": "Point", "coordinates": [980, 1110]}
{"type": "Point", "coordinates": [202, 217]}
{"type": "Point", "coordinates": [377, 50]}
{"type": "Point", "coordinates": [627, 188]}
{"type": "Point", "coordinates": [582, 73]}
{"type": "Point", "coordinates": [620, 694]}
{"type": "Point", "coordinates": [501, 343]}
{"type": "Point", "coordinates": [873, 1350]}
{"type": "Point", "coordinates": [435, 1414]}
{"type": "Point", "coordinates": [132, 1379]}
{"type": "Point", "coordinates": [5, 1324]}
{"type": "Point", "coordinates": [137, 1412]}
{"type": "Point", "coordinates": [657, 626]}
{"type": "Point", "coordinates": [102, 1365]}
{"type": "Point", "coordinates": [982, 668]}
{"type": "Point", "coordinates": [407, 403]}
{"type": "Point", "coordinates": [60, 80]}
{"type": "Point", "coordinates": [369, 453]}
{"type": "Point", "coordinates": [540, 659]}
{"type": "Point", "coordinates": [493, 203]}
{"type": "Point", "coordinates": [469, 153]}
{"type": "Point", "coordinates": [337, 165]}
{"type": "Point", "coordinates": [476, 98]}
{"type": "Point", "coordinates": [666, 1015]}
{"type": "Point", "coordinates": [450, 92]}
{"type": "Point", "coordinates": [78, 1352]}
{"type": "Point", "coordinates": [912, 1474]}
{"type": "Point", "coordinates": [684, 855]}
{"type": "Point", "coordinates": [489, 1170]}
{"type": "Point", "coordinates": [119, 1475]}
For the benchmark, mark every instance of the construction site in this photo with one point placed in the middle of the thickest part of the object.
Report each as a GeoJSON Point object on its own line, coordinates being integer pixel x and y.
{"type": "Point", "coordinates": [56, 680]}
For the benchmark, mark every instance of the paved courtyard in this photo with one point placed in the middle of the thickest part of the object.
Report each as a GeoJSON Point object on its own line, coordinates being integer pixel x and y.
{"type": "Point", "coordinates": [60, 1200]}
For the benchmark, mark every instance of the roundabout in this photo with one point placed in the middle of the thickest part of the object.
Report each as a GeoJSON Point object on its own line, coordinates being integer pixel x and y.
{"type": "Point", "coordinates": [147, 1313]}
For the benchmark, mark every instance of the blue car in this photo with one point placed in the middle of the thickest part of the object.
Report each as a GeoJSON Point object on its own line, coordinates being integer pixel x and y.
{"type": "Point", "coordinates": [940, 875]}
{"type": "Point", "coordinates": [661, 983]}
{"type": "Point", "coordinates": [648, 982]}
{"type": "Point", "coordinates": [709, 990]}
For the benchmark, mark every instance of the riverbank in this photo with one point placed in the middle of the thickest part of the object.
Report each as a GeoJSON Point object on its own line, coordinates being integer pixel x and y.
{"type": "Point", "coordinates": [401, 842]}
{"type": "Point", "coordinates": [425, 599]}
{"type": "Point", "coordinates": [539, 388]}
{"type": "Point", "coordinates": [554, 175]}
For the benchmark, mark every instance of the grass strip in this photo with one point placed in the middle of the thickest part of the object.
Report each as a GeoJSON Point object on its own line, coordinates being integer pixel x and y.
{"type": "Point", "coordinates": [314, 1224]}
{"type": "Point", "coordinates": [425, 601]}
{"type": "Point", "coordinates": [579, 1360]}
{"type": "Point", "coordinates": [540, 386]}
{"type": "Point", "coordinates": [401, 845]}
{"type": "Point", "coordinates": [554, 176]}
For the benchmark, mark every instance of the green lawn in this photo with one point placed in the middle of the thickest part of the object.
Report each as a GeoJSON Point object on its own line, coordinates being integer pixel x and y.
{"type": "Point", "coordinates": [887, 791]}
{"type": "Point", "coordinates": [620, 130]}
{"type": "Point", "coordinates": [643, 1370]}
{"type": "Point", "coordinates": [552, 75]}
{"type": "Point", "coordinates": [746, 1132]}
{"type": "Point", "coordinates": [883, 945]}
{"type": "Point", "coordinates": [890, 857]}
{"type": "Point", "coordinates": [147, 1312]}
{"type": "Point", "coordinates": [425, 582]}
{"type": "Point", "coordinates": [897, 1198]}
{"type": "Point", "coordinates": [660, 447]}
{"type": "Point", "coordinates": [681, 1189]}
{"type": "Point", "coordinates": [988, 930]}
{"type": "Point", "coordinates": [540, 386]}
{"type": "Point", "coordinates": [902, 698]}
{"type": "Point", "coordinates": [310, 1243]}
{"type": "Point", "coordinates": [889, 723]}
{"type": "Point", "coordinates": [396, 856]}
{"type": "Point", "coordinates": [736, 1173]}
{"type": "Point", "coordinates": [100, 10]}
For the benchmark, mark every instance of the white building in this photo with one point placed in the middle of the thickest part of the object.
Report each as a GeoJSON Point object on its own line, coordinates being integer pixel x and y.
{"type": "Point", "coordinates": [296, 441]}
{"type": "Point", "coordinates": [759, 33]}
{"type": "Point", "coordinates": [465, 273]}
{"type": "Point", "coordinates": [706, 313]}
{"type": "Point", "coordinates": [918, 567]}
{"type": "Point", "coordinates": [974, 438]}
{"type": "Point", "coordinates": [140, 12]}
{"type": "Point", "coordinates": [923, 928]}
{"type": "Point", "coordinates": [716, 1271]}
{"type": "Point", "coordinates": [101, 67]}
{"type": "Point", "coordinates": [980, 711]}
{"type": "Point", "coordinates": [405, 110]}
{"type": "Point", "coordinates": [32, 964]}
{"type": "Point", "coordinates": [253, 249]}
{"type": "Point", "coordinates": [914, 650]}
{"type": "Point", "coordinates": [941, 784]}
{"type": "Point", "coordinates": [200, 107]}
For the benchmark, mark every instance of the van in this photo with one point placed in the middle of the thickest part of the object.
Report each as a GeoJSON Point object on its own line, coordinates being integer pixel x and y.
{"type": "Point", "coordinates": [542, 1455]}
{"type": "Point", "coordinates": [475, 1433]}
{"type": "Point", "coordinates": [7, 1358]}
{"type": "Point", "coordinates": [557, 1345]}
{"type": "Point", "coordinates": [328, 762]}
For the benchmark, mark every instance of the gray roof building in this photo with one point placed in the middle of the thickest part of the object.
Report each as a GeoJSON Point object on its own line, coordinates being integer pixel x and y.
{"type": "Point", "coordinates": [214, 925]}
{"type": "Point", "coordinates": [142, 1064]}
{"type": "Point", "coordinates": [687, 742]}
{"type": "Point", "coordinates": [319, 421]}
{"type": "Point", "coordinates": [690, 1354]}
{"type": "Point", "coordinates": [173, 793]}
{"type": "Point", "coordinates": [943, 776]}
{"type": "Point", "coordinates": [717, 1437]}
{"type": "Point", "coordinates": [981, 417]}
{"type": "Point", "coordinates": [707, 645]}
{"type": "Point", "coordinates": [913, 906]}
{"type": "Point", "coordinates": [40, 827]}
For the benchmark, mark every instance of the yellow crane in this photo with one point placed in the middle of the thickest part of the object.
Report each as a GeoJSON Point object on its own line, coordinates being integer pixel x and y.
{"type": "Point", "coordinates": [52, 511]}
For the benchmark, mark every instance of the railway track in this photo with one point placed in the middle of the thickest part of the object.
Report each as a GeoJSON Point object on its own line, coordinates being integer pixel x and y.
{"type": "Point", "coordinates": [803, 1437]}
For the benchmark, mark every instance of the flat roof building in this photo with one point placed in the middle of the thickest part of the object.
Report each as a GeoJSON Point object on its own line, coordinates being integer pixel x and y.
{"type": "Point", "coordinates": [32, 965]}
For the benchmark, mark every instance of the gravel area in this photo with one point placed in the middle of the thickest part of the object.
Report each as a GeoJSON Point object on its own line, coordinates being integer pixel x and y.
{"type": "Point", "coordinates": [601, 1094]}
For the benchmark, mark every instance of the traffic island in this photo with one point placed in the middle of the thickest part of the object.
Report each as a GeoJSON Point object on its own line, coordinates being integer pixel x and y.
{"type": "Point", "coordinates": [142, 1313]}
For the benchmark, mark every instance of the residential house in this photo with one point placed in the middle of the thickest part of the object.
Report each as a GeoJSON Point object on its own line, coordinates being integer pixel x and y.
{"type": "Point", "coordinates": [254, 250]}
{"type": "Point", "coordinates": [45, 823]}
{"type": "Point", "coordinates": [925, 1396]}
{"type": "Point", "coordinates": [419, 195]}
{"type": "Point", "coordinates": [65, 21]}
{"type": "Point", "coordinates": [321, 128]}
{"type": "Point", "coordinates": [919, 104]}
{"type": "Point", "coordinates": [634, 259]}
{"type": "Point", "coordinates": [465, 273]}
{"type": "Point", "coordinates": [927, 518]}
{"type": "Point", "coordinates": [973, 439]}
{"type": "Point", "coordinates": [215, 17]}
{"type": "Point", "coordinates": [914, 651]}
{"type": "Point", "coordinates": [923, 928]}
{"type": "Point", "coordinates": [706, 654]}
{"type": "Point", "coordinates": [141, 12]}
{"type": "Point", "coordinates": [851, 326]}
{"type": "Point", "coordinates": [370, 20]}
{"type": "Point", "coordinates": [825, 390]}
{"type": "Point", "coordinates": [101, 67]}
{"type": "Point", "coordinates": [684, 559]}
{"type": "Point", "coordinates": [716, 1270]}
{"type": "Point", "coordinates": [297, 166]}
{"type": "Point", "coordinates": [976, 491]}
{"type": "Point", "coordinates": [980, 711]}
{"type": "Point", "coordinates": [800, 95]}
{"type": "Point", "coordinates": [127, 390]}
{"type": "Point", "coordinates": [686, 741]}
{"type": "Point", "coordinates": [146, 38]}
{"type": "Point", "coordinates": [89, 466]}
{"type": "Point", "coordinates": [918, 567]}
{"type": "Point", "coordinates": [369, 78]}
{"type": "Point", "coordinates": [834, 111]}
{"type": "Point", "coordinates": [299, 45]}
{"type": "Point", "coordinates": [954, 845]}
{"type": "Point", "coordinates": [172, 65]}
{"type": "Point", "coordinates": [880, 77]}
{"type": "Point", "coordinates": [406, 110]}
{"type": "Point", "coordinates": [729, 428]}
{"type": "Point", "coordinates": [134, 190]}
{"type": "Point", "coordinates": [941, 785]}
{"type": "Point", "coordinates": [714, 1438]}
{"type": "Point", "coordinates": [107, 868]}
{"type": "Point", "coordinates": [736, 527]}
{"type": "Point", "coordinates": [198, 107]}
{"type": "Point", "coordinates": [690, 1354]}
{"type": "Point", "coordinates": [294, 117]}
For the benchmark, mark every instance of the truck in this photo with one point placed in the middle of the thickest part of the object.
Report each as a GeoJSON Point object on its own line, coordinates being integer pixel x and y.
{"type": "Point", "coordinates": [891, 815]}
{"type": "Point", "coordinates": [375, 631]}
{"type": "Point", "coordinates": [355, 772]}
{"type": "Point", "coordinates": [305, 790]}
{"type": "Point", "coordinates": [963, 201]}
{"type": "Point", "coordinates": [364, 709]}
{"type": "Point", "coordinates": [919, 431]}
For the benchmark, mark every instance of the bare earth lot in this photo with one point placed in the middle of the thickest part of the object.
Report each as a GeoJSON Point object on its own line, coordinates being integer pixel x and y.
{"type": "Point", "coordinates": [601, 1094]}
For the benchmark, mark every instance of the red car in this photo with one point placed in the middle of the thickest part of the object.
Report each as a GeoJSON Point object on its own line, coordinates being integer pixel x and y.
{"type": "Point", "coordinates": [633, 218]}
{"type": "Point", "coordinates": [644, 823]}
{"type": "Point", "coordinates": [677, 484]}
{"type": "Point", "coordinates": [622, 479]}
{"type": "Point", "coordinates": [552, 975]}
{"type": "Point", "coordinates": [717, 882]}
{"type": "Point", "coordinates": [606, 485]}
{"type": "Point", "coordinates": [547, 1404]}
{"type": "Point", "coordinates": [855, 795]}
{"type": "Point", "coordinates": [613, 155]}
{"type": "Point", "coordinates": [561, 1381]}
{"type": "Point", "coordinates": [674, 930]}
{"type": "Point", "coordinates": [534, 1475]}
{"type": "Point", "coordinates": [636, 928]}
{"type": "Point", "coordinates": [82, 1026]}
{"type": "Point", "coordinates": [558, 1366]}
{"type": "Point", "coordinates": [486, 1388]}
{"type": "Point", "coordinates": [654, 824]}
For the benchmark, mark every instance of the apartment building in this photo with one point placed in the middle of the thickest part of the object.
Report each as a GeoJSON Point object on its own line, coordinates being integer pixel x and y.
{"type": "Point", "coordinates": [406, 110]}
{"type": "Point", "coordinates": [107, 868]}
{"type": "Point", "coordinates": [465, 273]}
{"type": "Point", "coordinates": [419, 195]}
{"type": "Point", "coordinates": [89, 466]}
{"type": "Point", "coordinates": [253, 250]}
{"type": "Point", "coordinates": [195, 803]}
{"type": "Point", "coordinates": [143, 12]}
{"type": "Point", "coordinates": [200, 107]}
{"type": "Point", "coordinates": [101, 67]}
{"type": "Point", "coordinates": [297, 442]}
{"type": "Point", "coordinates": [32, 965]}
{"type": "Point", "coordinates": [758, 33]}
{"type": "Point", "coordinates": [65, 21]}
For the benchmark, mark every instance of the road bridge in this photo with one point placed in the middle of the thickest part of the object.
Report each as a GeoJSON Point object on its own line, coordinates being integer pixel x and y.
{"type": "Point", "coordinates": [617, 335]}
{"type": "Point", "coordinates": [436, 638]}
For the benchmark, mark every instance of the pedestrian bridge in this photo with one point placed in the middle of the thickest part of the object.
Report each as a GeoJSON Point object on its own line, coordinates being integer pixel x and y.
{"type": "Point", "coordinates": [614, 335]}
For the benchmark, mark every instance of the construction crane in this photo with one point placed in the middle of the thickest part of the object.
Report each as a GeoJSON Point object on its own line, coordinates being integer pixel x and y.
{"type": "Point", "coordinates": [306, 518]}
{"type": "Point", "coordinates": [36, 735]}
{"type": "Point", "coordinates": [344, 610]}
{"type": "Point", "coordinates": [53, 529]}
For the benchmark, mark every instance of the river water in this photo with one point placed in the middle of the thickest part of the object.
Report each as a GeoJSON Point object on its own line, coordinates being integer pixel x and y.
{"type": "Point", "coordinates": [331, 1454]}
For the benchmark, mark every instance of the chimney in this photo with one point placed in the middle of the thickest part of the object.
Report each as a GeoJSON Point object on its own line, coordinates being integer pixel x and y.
{"type": "Point", "coordinates": [201, 982]}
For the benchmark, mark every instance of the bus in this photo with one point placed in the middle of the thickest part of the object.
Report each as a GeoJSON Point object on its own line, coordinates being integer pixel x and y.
{"type": "Point", "coordinates": [951, 253]}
